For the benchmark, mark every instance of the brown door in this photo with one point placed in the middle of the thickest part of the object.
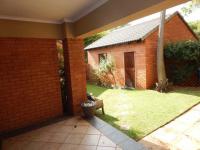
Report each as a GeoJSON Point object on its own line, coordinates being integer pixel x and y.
{"type": "Point", "coordinates": [129, 64]}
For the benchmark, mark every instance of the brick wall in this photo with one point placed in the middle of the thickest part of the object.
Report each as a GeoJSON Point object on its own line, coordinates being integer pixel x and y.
{"type": "Point", "coordinates": [29, 82]}
{"type": "Point", "coordinates": [175, 30]}
{"type": "Point", "coordinates": [117, 52]}
{"type": "Point", "coordinates": [75, 73]}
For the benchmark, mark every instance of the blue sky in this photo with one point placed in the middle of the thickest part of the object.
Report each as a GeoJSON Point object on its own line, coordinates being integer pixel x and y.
{"type": "Point", "coordinates": [195, 15]}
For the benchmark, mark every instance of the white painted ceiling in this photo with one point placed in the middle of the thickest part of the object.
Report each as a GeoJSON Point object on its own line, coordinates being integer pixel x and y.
{"type": "Point", "coordinates": [54, 11]}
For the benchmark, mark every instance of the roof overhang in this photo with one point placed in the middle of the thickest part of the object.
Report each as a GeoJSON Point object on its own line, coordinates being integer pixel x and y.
{"type": "Point", "coordinates": [47, 11]}
{"type": "Point", "coordinates": [84, 16]}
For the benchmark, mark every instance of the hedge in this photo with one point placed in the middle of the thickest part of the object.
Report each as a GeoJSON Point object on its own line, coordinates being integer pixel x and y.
{"type": "Point", "coordinates": [185, 60]}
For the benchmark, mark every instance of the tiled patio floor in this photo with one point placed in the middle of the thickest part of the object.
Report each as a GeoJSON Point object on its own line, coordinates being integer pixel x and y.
{"type": "Point", "coordinates": [70, 134]}
{"type": "Point", "coordinates": [181, 134]}
{"type": "Point", "coordinates": [78, 134]}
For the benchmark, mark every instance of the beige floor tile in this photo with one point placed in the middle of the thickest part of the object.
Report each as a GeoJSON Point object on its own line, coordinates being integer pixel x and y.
{"type": "Point", "coordinates": [105, 148]}
{"type": "Point", "coordinates": [22, 137]}
{"type": "Point", "coordinates": [62, 129]}
{"type": "Point", "coordinates": [50, 146]}
{"type": "Point", "coordinates": [118, 148]}
{"type": "Point", "coordinates": [80, 129]}
{"type": "Point", "coordinates": [72, 121]}
{"type": "Point", "coordinates": [34, 146]}
{"type": "Point", "coordinates": [41, 130]}
{"type": "Point", "coordinates": [104, 141]}
{"type": "Point", "coordinates": [43, 137]}
{"type": "Point", "coordinates": [84, 147]}
{"type": "Point", "coordinates": [90, 140]}
{"type": "Point", "coordinates": [83, 122]}
{"type": "Point", "coordinates": [17, 145]}
{"type": "Point", "coordinates": [29, 136]}
{"type": "Point", "coordinates": [68, 147]}
{"type": "Point", "coordinates": [71, 134]}
{"type": "Point", "coordinates": [48, 128]}
{"type": "Point", "coordinates": [60, 122]}
{"type": "Point", "coordinates": [67, 129]}
{"type": "Point", "coordinates": [58, 137]}
{"type": "Point", "coordinates": [74, 138]}
{"type": "Point", "coordinates": [92, 130]}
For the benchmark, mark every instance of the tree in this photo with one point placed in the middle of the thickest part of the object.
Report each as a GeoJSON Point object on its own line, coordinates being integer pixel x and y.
{"type": "Point", "coordinates": [162, 79]}
{"type": "Point", "coordinates": [93, 38]}
{"type": "Point", "coordinates": [195, 26]}
{"type": "Point", "coordinates": [189, 9]}
{"type": "Point", "coordinates": [196, 3]}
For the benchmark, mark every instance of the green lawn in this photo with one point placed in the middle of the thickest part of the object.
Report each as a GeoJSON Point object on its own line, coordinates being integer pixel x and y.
{"type": "Point", "coordinates": [139, 112]}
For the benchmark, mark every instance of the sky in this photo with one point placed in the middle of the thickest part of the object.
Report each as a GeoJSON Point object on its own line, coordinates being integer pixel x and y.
{"type": "Point", "coordinates": [195, 15]}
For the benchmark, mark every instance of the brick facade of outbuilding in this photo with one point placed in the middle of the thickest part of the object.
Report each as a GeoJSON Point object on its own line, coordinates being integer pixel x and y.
{"type": "Point", "coordinates": [176, 29]}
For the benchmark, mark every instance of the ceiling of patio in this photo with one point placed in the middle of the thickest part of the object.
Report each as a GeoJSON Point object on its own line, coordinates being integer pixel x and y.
{"type": "Point", "coordinates": [86, 17]}
{"type": "Point", "coordinates": [54, 11]}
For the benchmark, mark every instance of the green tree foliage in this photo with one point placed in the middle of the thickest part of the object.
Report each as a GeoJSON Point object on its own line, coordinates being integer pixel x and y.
{"type": "Point", "coordinates": [187, 9]}
{"type": "Point", "coordinates": [185, 59]}
{"type": "Point", "coordinates": [195, 26]}
{"type": "Point", "coordinates": [93, 38]}
{"type": "Point", "coordinates": [190, 7]}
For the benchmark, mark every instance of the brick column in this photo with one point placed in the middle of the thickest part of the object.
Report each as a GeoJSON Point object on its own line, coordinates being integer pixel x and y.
{"type": "Point", "coordinates": [75, 73]}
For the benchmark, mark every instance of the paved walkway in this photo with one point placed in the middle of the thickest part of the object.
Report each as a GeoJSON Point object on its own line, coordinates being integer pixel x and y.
{"type": "Point", "coordinates": [181, 134]}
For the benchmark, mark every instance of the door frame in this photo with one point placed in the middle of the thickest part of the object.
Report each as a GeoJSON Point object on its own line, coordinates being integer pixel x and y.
{"type": "Point", "coordinates": [134, 69]}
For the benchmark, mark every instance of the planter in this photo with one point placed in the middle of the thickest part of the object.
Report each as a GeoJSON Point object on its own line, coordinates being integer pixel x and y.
{"type": "Point", "coordinates": [89, 108]}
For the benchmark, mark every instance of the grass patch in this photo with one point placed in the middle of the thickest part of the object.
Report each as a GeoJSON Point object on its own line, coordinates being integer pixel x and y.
{"type": "Point", "coordinates": [139, 112]}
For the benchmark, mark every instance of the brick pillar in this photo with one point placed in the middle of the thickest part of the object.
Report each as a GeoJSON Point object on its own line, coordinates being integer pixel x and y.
{"type": "Point", "coordinates": [75, 74]}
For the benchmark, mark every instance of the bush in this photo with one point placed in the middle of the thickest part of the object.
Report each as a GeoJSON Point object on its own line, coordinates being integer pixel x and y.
{"type": "Point", "coordinates": [185, 60]}
{"type": "Point", "coordinates": [104, 71]}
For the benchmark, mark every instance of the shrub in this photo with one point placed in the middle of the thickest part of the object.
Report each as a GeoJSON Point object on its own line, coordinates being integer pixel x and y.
{"type": "Point", "coordinates": [105, 72]}
{"type": "Point", "coordinates": [185, 59]}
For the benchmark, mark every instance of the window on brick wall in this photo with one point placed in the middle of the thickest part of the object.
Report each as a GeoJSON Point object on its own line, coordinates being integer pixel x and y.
{"type": "Point", "coordinates": [102, 56]}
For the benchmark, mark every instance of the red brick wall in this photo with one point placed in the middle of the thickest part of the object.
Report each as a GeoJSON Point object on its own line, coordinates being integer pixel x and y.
{"type": "Point", "coordinates": [117, 52]}
{"type": "Point", "coordinates": [175, 30]}
{"type": "Point", "coordinates": [75, 74]}
{"type": "Point", "coordinates": [29, 82]}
